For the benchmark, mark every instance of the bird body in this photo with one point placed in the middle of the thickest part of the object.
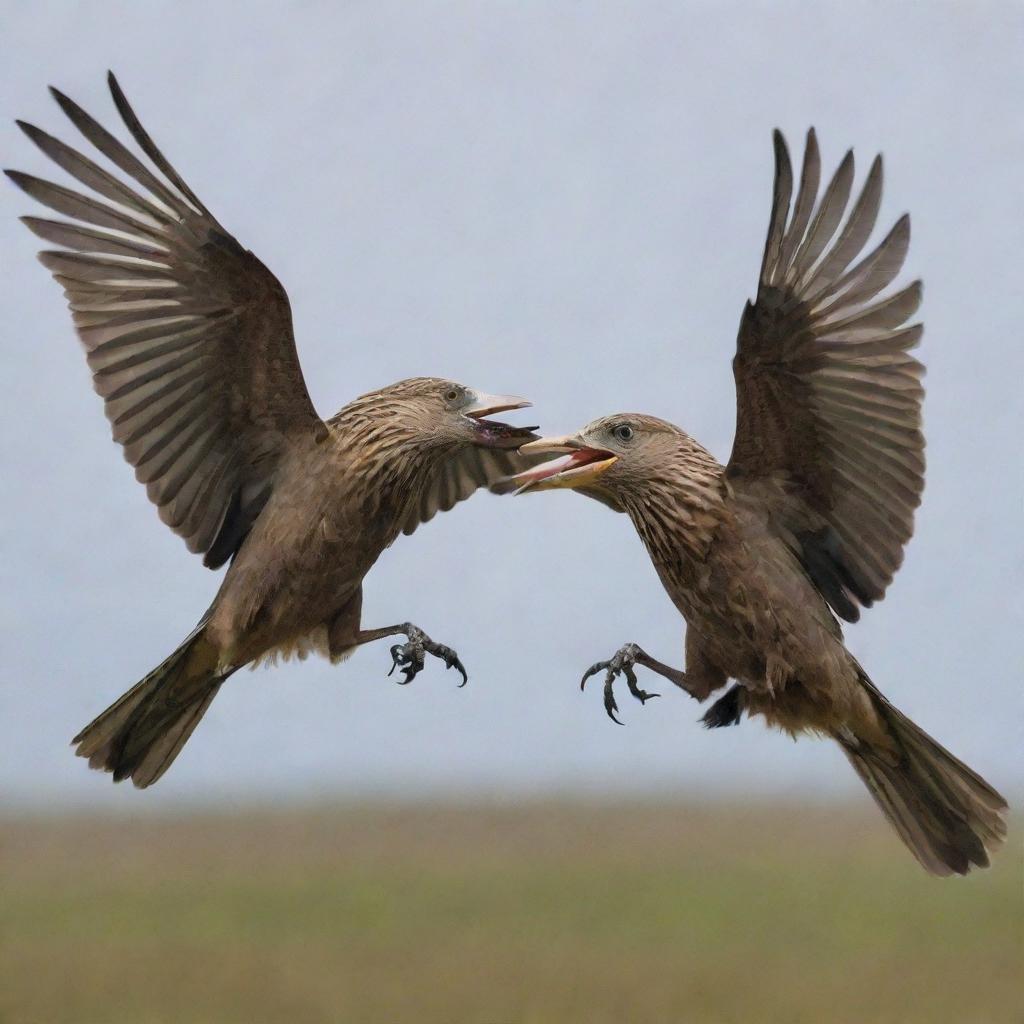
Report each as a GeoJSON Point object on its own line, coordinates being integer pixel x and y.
{"type": "Point", "coordinates": [338, 503]}
{"type": "Point", "coordinates": [806, 523]}
{"type": "Point", "coordinates": [752, 613]}
{"type": "Point", "coordinates": [189, 339]}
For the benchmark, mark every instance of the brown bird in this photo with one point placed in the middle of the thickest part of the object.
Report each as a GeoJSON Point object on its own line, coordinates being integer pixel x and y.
{"type": "Point", "coordinates": [189, 339]}
{"type": "Point", "coordinates": [809, 518]}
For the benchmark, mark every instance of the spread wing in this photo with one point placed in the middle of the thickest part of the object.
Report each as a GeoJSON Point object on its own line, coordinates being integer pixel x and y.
{"type": "Point", "coordinates": [828, 396]}
{"type": "Point", "coordinates": [188, 335]}
{"type": "Point", "coordinates": [460, 476]}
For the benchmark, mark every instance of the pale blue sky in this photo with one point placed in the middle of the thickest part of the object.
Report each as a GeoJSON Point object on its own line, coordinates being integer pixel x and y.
{"type": "Point", "coordinates": [563, 200]}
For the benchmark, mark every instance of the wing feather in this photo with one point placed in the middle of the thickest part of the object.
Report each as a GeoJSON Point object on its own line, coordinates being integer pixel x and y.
{"type": "Point", "coordinates": [810, 175]}
{"type": "Point", "coordinates": [828, 394]}
{"type": "Point", "coordinates": [825, 220]}
{"type": "Point", "coordinates": [460, 476]}
{"type": "Point", "coordinates": [188, 336]}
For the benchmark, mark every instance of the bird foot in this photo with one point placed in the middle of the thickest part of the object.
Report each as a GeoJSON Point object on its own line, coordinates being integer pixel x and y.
{"type": "Point", "coordinates": [621, 663]}
{"type": "Point", "coordinates": [727, 710]}
{"type": "Point", "coordinates": [410, 657]}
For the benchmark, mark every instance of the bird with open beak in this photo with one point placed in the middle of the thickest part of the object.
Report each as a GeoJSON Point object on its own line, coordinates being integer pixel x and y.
{"type": "Point", "coordinates": [807, 522]}
{"type": "Point", "coordinates": [189, 339]}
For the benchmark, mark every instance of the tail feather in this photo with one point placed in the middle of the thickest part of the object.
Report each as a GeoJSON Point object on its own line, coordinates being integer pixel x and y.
{"type": "Point", "coordinates": [142, 732]}
{"type": "Point", "coordinates": [949, 817]}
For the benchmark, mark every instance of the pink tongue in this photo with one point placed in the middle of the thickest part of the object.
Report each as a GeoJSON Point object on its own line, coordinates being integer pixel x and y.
{"type": "Point", "coordinates": [548, 469]}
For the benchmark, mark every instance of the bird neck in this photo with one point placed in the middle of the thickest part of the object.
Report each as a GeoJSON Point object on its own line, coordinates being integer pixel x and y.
{"type": "Point", "coordinates": [678, 510]}
{"type": "Point", "coordinates": [393, 459]}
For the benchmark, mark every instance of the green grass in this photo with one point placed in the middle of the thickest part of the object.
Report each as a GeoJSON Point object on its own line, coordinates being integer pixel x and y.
{"type": "Point", "coordinates": [539, 914]}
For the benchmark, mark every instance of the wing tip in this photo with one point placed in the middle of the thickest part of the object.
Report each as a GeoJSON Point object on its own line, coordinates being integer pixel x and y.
{"type": "Point", "coordinates": [70, 108]}
{"type": "Point", "coordinates": [120, 100]}
{"type": "Point", "coordinates": [812, 157]}
{"type": "Point", "coordinates": [46, 257]}
{"type": "Point", "coordinates": [40, 139]}
{"type": "Point", "coordinates": [780, 147]}
{"type": "Point", "coordinates": [32, 223]}
{"type": "Point", "coordinates": [875, 171]}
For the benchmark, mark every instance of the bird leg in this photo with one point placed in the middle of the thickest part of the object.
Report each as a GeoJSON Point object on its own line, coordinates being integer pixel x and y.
{"type": "Point", "coordinates": [410, 657]}
{"type": "Point", "coordinates": [622, 662]}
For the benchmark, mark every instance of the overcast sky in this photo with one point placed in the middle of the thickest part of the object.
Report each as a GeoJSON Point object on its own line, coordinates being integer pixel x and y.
{"type": "Point", "coordinates": [562, 200]}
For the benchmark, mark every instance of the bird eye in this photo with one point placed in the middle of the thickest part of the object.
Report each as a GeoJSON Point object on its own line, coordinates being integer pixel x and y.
{"type": "Point", "coordinates": [451, 394]}
{"type": "Point", "coordinates": [624, 432]}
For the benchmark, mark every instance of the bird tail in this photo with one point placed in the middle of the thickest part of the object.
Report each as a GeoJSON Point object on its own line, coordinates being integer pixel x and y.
{"type": "Point", "coordinates": [949, 816]}
{"type": "Point", "coordinates": [142, 732]}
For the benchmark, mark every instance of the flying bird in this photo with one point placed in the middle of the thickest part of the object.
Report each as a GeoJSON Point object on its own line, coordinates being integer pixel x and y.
{"type": "Point", "coordinates": [807, 522]}
{"type": "Point", "coordinates": [189, 340]}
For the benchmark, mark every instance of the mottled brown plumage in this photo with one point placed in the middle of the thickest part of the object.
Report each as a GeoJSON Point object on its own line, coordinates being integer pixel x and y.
{"type": "Point", "coordinates": [189, 339]}
{"type": "Point", "coordinates": [809, 518]}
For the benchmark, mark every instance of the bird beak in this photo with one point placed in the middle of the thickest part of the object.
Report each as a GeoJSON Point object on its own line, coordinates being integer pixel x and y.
{"type": "Point", "coordinates": [491, 433]}
{"type": "Point", "coordinates": [488, 405]}
{"type": "Point", "coordinates": [579, 464]}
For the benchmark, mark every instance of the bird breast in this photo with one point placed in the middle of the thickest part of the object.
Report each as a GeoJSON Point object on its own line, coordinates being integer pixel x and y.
{"type": "Point", "coordinates": [762, 620]}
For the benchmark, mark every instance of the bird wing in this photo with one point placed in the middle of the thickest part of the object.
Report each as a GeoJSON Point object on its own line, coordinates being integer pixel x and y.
{"type": "Point", "coordinates": [461, 475]}
{"type": "Point", "coordinates": [828, 397]}
{"type": "Point", "coordinates": [188, 335]}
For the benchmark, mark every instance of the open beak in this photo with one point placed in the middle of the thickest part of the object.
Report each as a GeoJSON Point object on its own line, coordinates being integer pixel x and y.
{"type": "Point", "coordinates": [492, 433]}
{"type": "Point", "coordinates": [579, 465]}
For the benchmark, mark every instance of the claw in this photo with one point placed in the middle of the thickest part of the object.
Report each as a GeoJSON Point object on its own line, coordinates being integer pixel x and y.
{"type": "Point", "coordinates": [641, 695]}
{"type": "Point", "coordinates": [404, 656]}
{"type": "Point", "coordinates": [609, 696]}
{"type": "Point", "coordinates": [449, 657]}
{"type": "Point", "coordinates": [396, 659]}
{"type": "Point", "coordinates": [620, 663]}
{"type": "Point", "coordinates": [409, 657]}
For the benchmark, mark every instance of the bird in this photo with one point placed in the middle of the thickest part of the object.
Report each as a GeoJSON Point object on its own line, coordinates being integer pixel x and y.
{"type": "Point", "coordinates": [807, 522]}
{"type": "Point", "coordinates": [189, 340]}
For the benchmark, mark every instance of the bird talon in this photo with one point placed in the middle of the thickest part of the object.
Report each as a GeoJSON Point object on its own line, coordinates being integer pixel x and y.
{"type": "Point", "coordinates": [621, 663]}
{"type": "Point", "coordinates": [396, 658]}
{"type": "Point", "coordinates": [634, 688]}
{"type": "Point", "coordinates": [410, 657]}
{"type": "Point", "coordinates": [609, 697]}
{"type": "Point", "coordinates": [450, 659]}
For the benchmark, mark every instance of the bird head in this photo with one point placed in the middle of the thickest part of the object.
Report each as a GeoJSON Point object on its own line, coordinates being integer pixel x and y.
{"type": "Point", "coordinates": [451, 414]}
{"type": "Point", "coordinates": [608, 459]}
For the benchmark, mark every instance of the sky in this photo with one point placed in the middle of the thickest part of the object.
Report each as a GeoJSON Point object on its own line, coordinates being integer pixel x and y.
{"type": "Point", "coordinates": [561, 200]}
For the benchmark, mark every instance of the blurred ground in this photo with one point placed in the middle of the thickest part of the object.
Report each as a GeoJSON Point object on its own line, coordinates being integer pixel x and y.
{"type": "Point", "coordinates": [536, 913]}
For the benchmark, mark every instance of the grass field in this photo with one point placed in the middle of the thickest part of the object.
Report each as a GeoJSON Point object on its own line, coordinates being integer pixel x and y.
{"type": "Point", "coordinates": [533, 914]}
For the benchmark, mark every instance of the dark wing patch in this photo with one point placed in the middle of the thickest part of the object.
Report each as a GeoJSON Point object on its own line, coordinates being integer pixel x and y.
{"type": "Point", "coordinates": [188, 335]}
{"type": "Point", "coordinates": [828, 396]}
